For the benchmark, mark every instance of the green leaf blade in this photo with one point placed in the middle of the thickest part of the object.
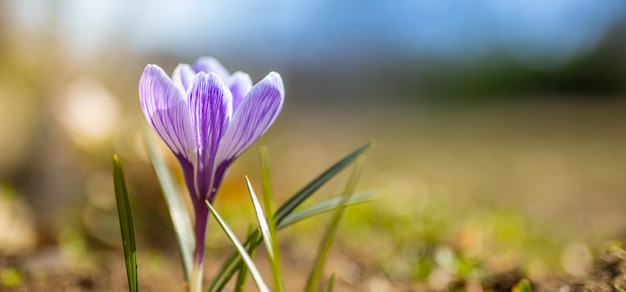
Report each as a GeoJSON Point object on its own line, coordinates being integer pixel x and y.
{"type": "Point", "coordinates": [316, 273]}
{"type": "Point", "coordinates": [254, 272]}
{"type": "Point", "coordinates": [266, 179]}
{"type": "Point", "coordinates": [265, 229]}
{"type": "Point", "coordinates": [268, 238]}
{"type": "Point", "coordinates": [126, 225]}
{"type": "Point", "coordinates": [319, 181]}
{"type": "Point", "coordinates": [268, 198]}
{"type": "Point", "coordinates": [331, 283]}
{"type": "Point", "coordinates": [325, 206]}
{"type": "Point", "coordinates": [181, 220]}
{"type": "Point", "coordinates": [242, 276]}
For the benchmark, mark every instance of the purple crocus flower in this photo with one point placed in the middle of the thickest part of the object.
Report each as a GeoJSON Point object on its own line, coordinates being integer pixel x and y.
{"type": "Point", "coordinates": [208, 117]}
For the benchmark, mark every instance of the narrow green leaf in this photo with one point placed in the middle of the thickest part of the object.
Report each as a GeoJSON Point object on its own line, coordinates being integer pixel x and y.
{"type": "Point", "coordinates": [313, 186]}
{"type": "Point", "coordinates": [265, 229]}
{"type": "Point", "coordinates": [266, 175]}
{"type": "Point", "coordinates": [242, 276]}
{"type": "Point", "coordinates": [329, 236]}
{"type": "Point", "coordinates": [234, 262]}
{"type": "Point", "coordinates": [231, 265]}
{"type": "Point", "coordinates": [181, 218]}
{"type": "Point", "coordinates": [267, 237]}
{"type": "Point", "coordinates": [331, 283]}
{"type": "Point", "coordinates": [126, 225]}
{"type": "Point", "coordinates": [268, 198]}
{"type": "Point", "coordinates": [326, 206]}
{"type": "Point", "coordinates": [256, 276]}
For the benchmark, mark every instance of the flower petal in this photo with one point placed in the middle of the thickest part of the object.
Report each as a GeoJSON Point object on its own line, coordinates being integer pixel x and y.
{"type": "Point", "coordinates": [210, 103]}
{"type": "Point", "coordinates": [257, 112]}
{"type": "Point", "coordinates": [239, 84]}
{"type": "Point", "coordinates": [182, 77]}
{"type": "Point", "coordinates": [210, 64]}
{"type": "Point", "coordinates": [167, 111]}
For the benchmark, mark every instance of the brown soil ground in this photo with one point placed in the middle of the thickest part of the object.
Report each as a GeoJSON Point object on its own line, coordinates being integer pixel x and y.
{"type": "Point", "coordinates": [608, 274]}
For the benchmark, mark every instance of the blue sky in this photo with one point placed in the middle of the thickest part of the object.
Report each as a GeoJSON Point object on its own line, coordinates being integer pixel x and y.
{"type": "Point", "coordinates": [312, 29]}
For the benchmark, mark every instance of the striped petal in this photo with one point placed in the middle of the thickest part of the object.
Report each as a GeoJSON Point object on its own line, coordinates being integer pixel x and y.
{"type": "Point", "coordinates": [182, 77]}
{"type": "Point", "coordinates": [210, 64]}
{"type": "Point", "coordinates": [253, 117]}
{"type": "Point", "coordinates": [210, 103]}
{"type": "Point", "coordinates": [167, 111]}
{"type": "Point", "coordinates": [239, 84]}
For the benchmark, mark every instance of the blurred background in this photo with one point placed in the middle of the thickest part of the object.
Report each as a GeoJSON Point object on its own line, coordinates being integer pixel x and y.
{"type": "Point", "coordinates": [500, 126]}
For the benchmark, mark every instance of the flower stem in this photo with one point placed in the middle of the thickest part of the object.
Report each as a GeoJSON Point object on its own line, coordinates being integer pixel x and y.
{"type": "Point", "coordinates": [196, 277]}
{"type": "Point", "coordinates": [202, 213]}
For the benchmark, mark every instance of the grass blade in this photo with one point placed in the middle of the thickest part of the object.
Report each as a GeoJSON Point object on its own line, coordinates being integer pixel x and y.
{"type": "Point", "coordinates": [126, 225]}
{"type": "Point", "coordinates": [331, 283]}
{"type": "Point", "coordinates": [268, 198]}
{"type": "Point", "coordinates": [181, 219]}
{"type": "Point", "coordinates": [243, 270]}
{"type": "Point", "coordinates": [268, 238]}
{"type": "Point", "coordinates": [265, 229]}
{"type": "Point", "coordinates": [327, 241]}
{"type": "Point", "coordinates": [266, 176]}
{"type": "Point", "coordinates": [242, 277]}
{"type": "Point", "coordinates": [240, 249]}
{"type": "Point", "coordinates": [231, 265]}
{"type": "Point", "coordinates": [326, 206]}
{"type": "Point", "coordinates": [314, 185]}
